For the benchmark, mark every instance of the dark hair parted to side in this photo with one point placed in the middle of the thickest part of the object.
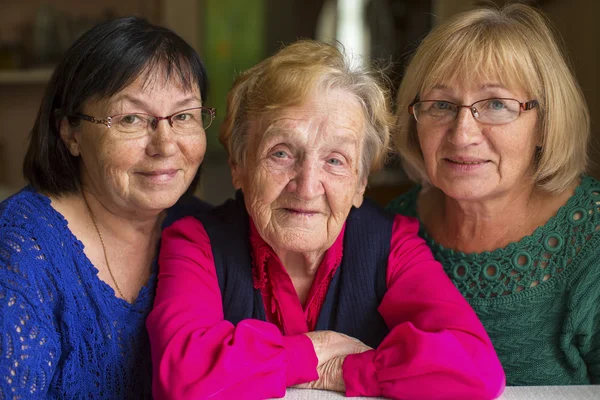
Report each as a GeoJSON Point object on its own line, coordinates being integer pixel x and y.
{"type": "Point", "coordinates": [102, 62]}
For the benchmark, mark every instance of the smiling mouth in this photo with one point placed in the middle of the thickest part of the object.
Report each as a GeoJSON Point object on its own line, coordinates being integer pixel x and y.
{"type": "Point", "coordinates": [300, 212]}
{"type": "Point", "coordinates": [466, 162]}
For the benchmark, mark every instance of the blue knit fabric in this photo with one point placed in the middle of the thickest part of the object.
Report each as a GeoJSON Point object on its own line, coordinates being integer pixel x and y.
{"type": "Point", "coordinates": [64, 334]}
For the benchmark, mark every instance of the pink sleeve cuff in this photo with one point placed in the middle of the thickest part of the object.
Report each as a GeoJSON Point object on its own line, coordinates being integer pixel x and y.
{"type": "Point", "coordinates": [301, 360]}
{"type": "Point", "coordinates": [359, 375]}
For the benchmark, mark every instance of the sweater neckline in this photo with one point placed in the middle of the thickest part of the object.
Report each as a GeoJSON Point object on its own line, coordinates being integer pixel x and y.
{"type": "Point", "coordinates": [140, 303]}
{"type": "Point", "coordinates": [448, 252]}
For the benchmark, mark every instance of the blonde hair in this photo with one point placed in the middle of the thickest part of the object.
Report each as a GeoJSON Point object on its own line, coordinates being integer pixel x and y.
{"type": "Point", "coordinates": [287, 78]}
{"type": "Point", "coordinates": [516, 45]}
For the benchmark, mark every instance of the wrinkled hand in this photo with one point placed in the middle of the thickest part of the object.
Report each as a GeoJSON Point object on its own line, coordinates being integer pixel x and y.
{"type": "Point", "coordinates": [331, 349]}
{"type": "Point", "coordinates": [330, 344]}
{"type": "Point", "coordinates": [331, 376]}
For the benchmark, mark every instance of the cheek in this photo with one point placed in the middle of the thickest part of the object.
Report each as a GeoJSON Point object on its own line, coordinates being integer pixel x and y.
{"type": "Point", "coordinates": [116, 158]}
{"type": "Point", "coordinates": [194, 149]}
{"type": "Point", "coordinates": [267, 183]}
{"type": "Point", "coordinates": [515, 152]}
{"type": "Point", "coordinates": [340, 191]}
{"type": "Point", "coordinates": [429, 143]}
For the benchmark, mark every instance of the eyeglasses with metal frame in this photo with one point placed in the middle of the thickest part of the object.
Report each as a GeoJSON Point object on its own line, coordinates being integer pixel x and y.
{"type": "Point", "coordinates": [186, 122]}
{"type": "Point", "coordinates": [493, 111]}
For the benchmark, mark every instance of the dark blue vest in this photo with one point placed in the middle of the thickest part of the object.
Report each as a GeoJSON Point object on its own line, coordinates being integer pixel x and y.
{"type": "Point", "coordinates": [357, 287]}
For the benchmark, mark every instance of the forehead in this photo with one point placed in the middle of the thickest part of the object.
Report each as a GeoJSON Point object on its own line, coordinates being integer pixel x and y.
{"type": "Point", "coordinates": [488, 82]}
{"type": "Point", "coordinates": [151, 86]}
{"type": "Point", "coordinates": [476, 87]}
{"type": "Point", "coordinates": [478, 68]}
{"type": "Point", "coordinates": [158, 81]}
{"type": "Point", "coordinates": [324, 111]}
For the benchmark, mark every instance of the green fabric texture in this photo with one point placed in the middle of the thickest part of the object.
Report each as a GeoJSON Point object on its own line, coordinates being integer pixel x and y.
{"type": "Point", "coordinates": [539, 298]}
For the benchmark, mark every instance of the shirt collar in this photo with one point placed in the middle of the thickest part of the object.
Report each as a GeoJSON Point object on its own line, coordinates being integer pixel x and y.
{"type": "Point", "coordinates": [261, 253]}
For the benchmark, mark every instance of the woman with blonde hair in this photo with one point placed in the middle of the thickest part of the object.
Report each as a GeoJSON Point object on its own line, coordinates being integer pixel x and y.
{"type": "Point", "coordinates": [494, 128]}
{"type": "Point", "coordinates": [299, 280]}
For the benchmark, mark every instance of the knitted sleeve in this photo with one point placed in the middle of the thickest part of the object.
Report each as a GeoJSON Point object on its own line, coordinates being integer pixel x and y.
{"type": "Point", "coordinates": [29, 345]}
{"type": "Point", "coordinates": [584, 307]}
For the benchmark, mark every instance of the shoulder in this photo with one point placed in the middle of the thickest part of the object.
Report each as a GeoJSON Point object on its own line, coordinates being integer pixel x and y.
{"type": "Point", "coordinates": [23, 206]}
{"type": "Point", "coordinates": [580, 215]}
{"type": "Point", "coordinates": [371, 213]}
{"type": "Point", "coordinates": [187, 205]}
{"type": "Point", "coordinates": [26, 220]}
{"type": "Point", "coordinates": [406, 204]}
{"type": "Point", "coordinates": [30, 237]}
{"type": "Point", "coordinates": [188, 228]}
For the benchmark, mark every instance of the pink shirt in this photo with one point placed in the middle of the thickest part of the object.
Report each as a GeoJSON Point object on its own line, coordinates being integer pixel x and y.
{"type": "Point", "coordinates": [436, 348]}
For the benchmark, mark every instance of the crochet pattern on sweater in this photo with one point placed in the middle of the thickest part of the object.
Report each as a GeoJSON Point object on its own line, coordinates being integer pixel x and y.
{"type": "Point", "coordinates": [538, 298]}
{"type": "Point", "coordinates": [64, 334]}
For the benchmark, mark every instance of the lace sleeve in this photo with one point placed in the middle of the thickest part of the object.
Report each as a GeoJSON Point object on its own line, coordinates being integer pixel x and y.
{"type": "Point", "coordinates": [29, 341]}
{"type": "Point", "coordinates": [28, 349]}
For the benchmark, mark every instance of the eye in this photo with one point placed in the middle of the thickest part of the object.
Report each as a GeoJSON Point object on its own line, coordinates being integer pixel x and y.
{"type": "Point", "coordinates": [334, 161]}
{"type": "Point", "coordinates": [183, 117]}
{"type": "Point", "coordinates": [279, 154]}
{"type": "Point", "coordinates": [130, 119]}
{"type": "Point", "coordinates": [441, 105]}
{"type": "Point", "coordinates": [496, 105]}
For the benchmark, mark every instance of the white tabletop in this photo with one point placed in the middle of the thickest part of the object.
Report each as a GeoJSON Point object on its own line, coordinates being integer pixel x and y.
{"type": "Point", "coordinates": [511, 393]}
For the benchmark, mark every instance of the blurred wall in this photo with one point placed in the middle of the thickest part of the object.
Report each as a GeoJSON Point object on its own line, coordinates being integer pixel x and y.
{"type": "Point", "coordinates": [286, 20]}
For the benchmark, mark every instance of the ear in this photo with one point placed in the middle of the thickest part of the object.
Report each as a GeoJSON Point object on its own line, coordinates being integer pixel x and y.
{"type": "Point", "coordinates": [236, 174]}
{"type": "Point", "coordinates": [359, 196]}
{"type": "Point", "coordinates": [70, 136]}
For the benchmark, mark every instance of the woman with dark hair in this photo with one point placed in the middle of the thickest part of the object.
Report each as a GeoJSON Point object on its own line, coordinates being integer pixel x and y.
{"type": "Point", "coordinates": [77, 246]}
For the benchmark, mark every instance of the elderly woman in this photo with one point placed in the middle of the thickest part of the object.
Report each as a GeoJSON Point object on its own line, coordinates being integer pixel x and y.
{"type": "Point", "coordinates": [299, 281]}
{"type": "Point", "coordinates": [494, 128]}
{"type": "Point", "coordinates": [77, 277]}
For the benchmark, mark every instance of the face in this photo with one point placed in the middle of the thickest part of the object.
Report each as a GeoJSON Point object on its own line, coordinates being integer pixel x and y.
{"type": "Point", "coordinates": [469, 160]}
{"type": "Point", "coordinates": [301, 176]}
{"type": "Point", "coordinates": [147, 173]}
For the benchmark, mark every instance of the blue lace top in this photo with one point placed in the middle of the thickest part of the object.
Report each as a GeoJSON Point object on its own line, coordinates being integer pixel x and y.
{"type": "Point", "coordinates": [64, 333]}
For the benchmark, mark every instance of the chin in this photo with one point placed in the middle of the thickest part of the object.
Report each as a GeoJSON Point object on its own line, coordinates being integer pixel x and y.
{"type": "Point", "coordinates": [157, 202]}
{"type": "Point", "coordinates": [465, 189]}
{"type": "Point", "coordinates": [298, 242]}
{"type": "Point", "coordinates": [462, 192]}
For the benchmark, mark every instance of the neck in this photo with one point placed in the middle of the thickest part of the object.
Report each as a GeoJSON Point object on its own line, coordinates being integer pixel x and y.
{"type": "Point", "coordinates": [302, 268]}
{"type": "Point", "coordinates": [301, 264]}
{"type": "Point", "coordinates": [484, 225]}
{"type": "Point", "coordinates": [133, 229]}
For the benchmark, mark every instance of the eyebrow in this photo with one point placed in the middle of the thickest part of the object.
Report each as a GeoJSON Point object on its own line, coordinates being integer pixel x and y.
{"type": "Point", "coordinates": [269, 134]}
{"type": "Point", "coordinates": [481, 88]}
{"type": "Point", "coordinates": [142, 103]}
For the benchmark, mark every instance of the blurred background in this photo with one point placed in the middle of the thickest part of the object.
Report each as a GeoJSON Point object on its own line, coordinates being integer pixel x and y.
{"type": "Point", "coordinates": [233, 35]}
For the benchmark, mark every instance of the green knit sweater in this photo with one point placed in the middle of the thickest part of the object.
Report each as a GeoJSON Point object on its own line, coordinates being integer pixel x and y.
{"type": "Point", "coordinates": [538, 298]}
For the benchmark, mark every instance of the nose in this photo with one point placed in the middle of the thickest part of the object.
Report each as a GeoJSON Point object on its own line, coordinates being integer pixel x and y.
{"type": "Point", "coordinates": [163, 141]}
{"type": "Point", "coordinates": [465, 130]}
{"type": "Point", "coordinates": [307, 183]}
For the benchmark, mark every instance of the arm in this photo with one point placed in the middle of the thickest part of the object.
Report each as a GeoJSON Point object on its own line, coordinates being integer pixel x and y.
{"type": "Point", "coordinates": [437, 348]}
{"type": "Point", "coordinates": [196, 353]}
{"type": "Point", "coordinates": [583, 309]}
{"type": "Point", "coordinates": [29, 345]}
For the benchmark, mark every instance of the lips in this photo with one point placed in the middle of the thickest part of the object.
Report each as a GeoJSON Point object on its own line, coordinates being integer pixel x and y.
{"type": "Point", "coordinates": [466, 161]}
{"type": "Point", "coordinates": [301, 211]}
{"type": "Point", "coordinates": [160, 172]}
{"type": "Point", "coordinates": [159, 176]}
